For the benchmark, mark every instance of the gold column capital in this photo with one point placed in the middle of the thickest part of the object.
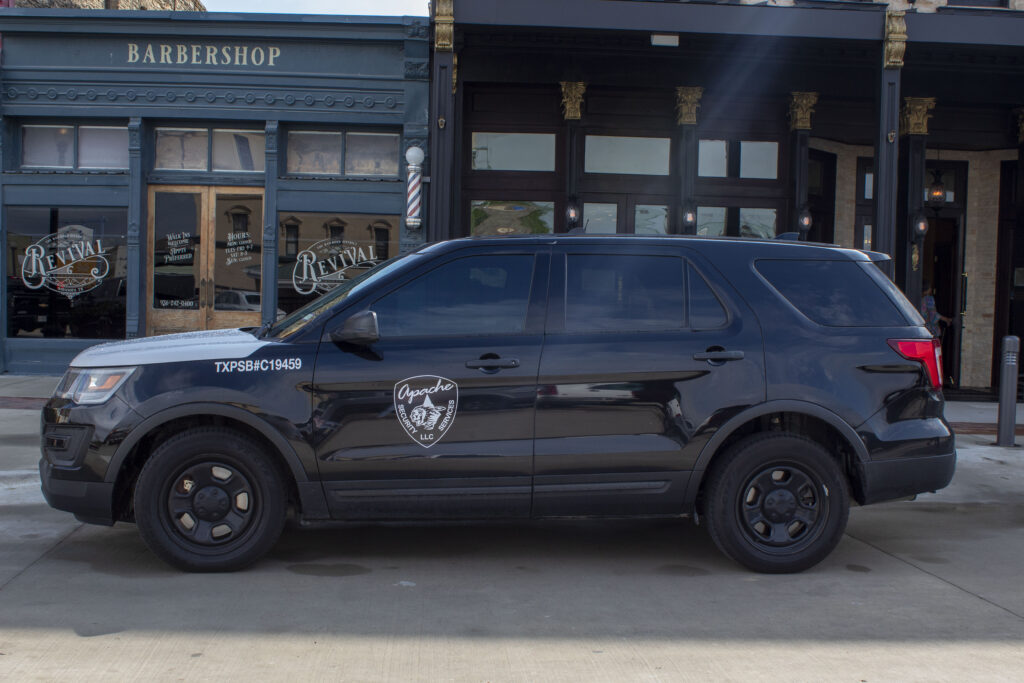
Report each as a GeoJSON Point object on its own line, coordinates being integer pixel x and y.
{"type": "Point", "coordinates": [801, 106]}
{"type": "Point", "coordinates": [895, 38]}
{"type": "Point", "coordinates": [572, 99]}
{"type": "Point", "coordinates": [916, 112]}
{"type": "Point", "coordinates": [444, 25]}
{"type": "Point", "coordinates": [687, 104]}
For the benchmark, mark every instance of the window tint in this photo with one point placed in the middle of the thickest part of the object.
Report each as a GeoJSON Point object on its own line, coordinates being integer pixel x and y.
{"type": "Point", "coordinates": [620, 293]}
{"type": "Point", "coordinates": [471, 296]}
{"type": "Point", "coordinates": [706, 311]}
{"type": "Point", "coordinates": [834, 293]}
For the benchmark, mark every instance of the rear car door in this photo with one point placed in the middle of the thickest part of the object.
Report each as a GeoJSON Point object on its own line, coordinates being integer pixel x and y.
{"type": "Point", "coordinates": [645, 345]}
{"type": "Point", "coordinates": [435, 420]}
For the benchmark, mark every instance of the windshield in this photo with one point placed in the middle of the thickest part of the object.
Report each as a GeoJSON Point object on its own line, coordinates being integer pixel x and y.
{"type": "Point", "coordinates": [317, 307]}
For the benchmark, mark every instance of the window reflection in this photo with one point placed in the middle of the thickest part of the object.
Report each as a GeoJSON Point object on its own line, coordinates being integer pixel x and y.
{"type": "Point", "coordinates": [600, 219]}
{"type": "Point", "coordinates": [633, 156]}
{"type": "Point", "coordinates": [712, 158]}
{"type": "Point", "coordinates": [757, 223]}
{"type": "Point", "coordinates": [314, 152]}
{"type": "Point", "coordinates": [491, 217]}
{"type": "Point", "coordinates": [47, 146]}
{"type": "Point", "coordinates": [239, 150]}
{"type": "Point", "coordinates": [759, 160]}
{"type": "Point", "coordinates": [513, 152]}
{"type": "Point", "coordinates": [181, 149]}
{"type": "Point", "coordinates": [711, 221]}
{"type": "Point", "coordinates": [650, 219]}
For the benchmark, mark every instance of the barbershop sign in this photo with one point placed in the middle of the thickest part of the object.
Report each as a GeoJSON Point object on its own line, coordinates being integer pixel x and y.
{"type": "Point", "coordinates": [202, 54]}
{"type": "Point", "coordinates": [69, 262]}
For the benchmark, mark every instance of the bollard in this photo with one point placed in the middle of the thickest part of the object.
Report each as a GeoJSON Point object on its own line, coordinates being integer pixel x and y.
{"type": "Point", "coordinates": [1008, 391]}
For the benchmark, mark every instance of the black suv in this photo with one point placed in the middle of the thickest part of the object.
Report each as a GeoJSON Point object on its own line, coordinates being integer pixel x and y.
{"type": "Point", "coordinates": [756, 386]}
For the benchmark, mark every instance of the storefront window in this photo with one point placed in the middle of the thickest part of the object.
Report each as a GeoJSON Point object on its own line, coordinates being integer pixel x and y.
{"type": "Point", "coordinates": [239, 150]}
{"type": "Point", "coordinates": [323, 249]}
{"type": "Point", "coordinates": [759, 160]}
{"type": "Point", "coordinates": [711, 221]}
{"type": "Point", "coordinates": [314, 152]}
{"type": "Point", "coordinates": [490, 217]}
{"type": "Point", "coordinates": [650, 219]}
{"type": "Point", "coordinates": [757, 223]}
{"type": "Point", "coordinates": [513, 152]}
{"type": "Point", "coordinates": [600, 218]}
{"type": "Point", "coordinates": [66, 271]}
{"type": "Point", "coordinates": [74, 146]}
{"type": "Point", "coordinates": [102, 147]}
{"type": "Point", "coordinates": [181, 149]}
{"type": "Point", "coordinates": [631, 156]}
{"type": "Point", "coordinates": [371, 154]}
{"type": "Point", "coordinates": [712, 158]}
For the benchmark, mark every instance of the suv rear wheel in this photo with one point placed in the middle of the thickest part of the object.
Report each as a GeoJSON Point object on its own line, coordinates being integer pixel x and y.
{"type": "Point", "coordinates": [777, 503]}
{"type": "Point", "coordinates": [210, 499]}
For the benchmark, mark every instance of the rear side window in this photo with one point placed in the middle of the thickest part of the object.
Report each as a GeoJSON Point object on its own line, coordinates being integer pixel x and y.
{"type": "Point", "coordinates": [833, 293]}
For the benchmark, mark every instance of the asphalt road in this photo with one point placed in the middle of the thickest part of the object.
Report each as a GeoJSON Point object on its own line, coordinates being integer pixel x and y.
{"type": "Point", "coordinates": [926, 590]}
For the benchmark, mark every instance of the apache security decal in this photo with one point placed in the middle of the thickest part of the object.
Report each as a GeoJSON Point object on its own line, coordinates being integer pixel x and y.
{"type": "Point", "coordinates": [426, 406]}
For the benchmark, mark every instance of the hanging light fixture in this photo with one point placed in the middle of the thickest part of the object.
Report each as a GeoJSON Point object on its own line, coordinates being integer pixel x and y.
{"type": "Point", "coordinates": [937, 190]}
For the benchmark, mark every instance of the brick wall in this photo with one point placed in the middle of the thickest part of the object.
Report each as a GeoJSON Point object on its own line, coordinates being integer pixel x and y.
{"type": "Point", "coordinates": [846, 185]}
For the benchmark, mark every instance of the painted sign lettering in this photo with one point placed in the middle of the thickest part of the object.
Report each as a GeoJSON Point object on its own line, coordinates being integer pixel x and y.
{"type": "Point", "coordinates": [196, 54]}
{"type": "Point", "coordinates": [327, 262]}
{"type": "Point", "coordinates": [68, 262]}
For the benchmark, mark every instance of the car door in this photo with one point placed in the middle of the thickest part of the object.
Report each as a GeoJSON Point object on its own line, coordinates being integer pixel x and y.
{"type": "Point", "coordinates": [643, 346]}
{"type": "Point", "coordinates": [435, 420]}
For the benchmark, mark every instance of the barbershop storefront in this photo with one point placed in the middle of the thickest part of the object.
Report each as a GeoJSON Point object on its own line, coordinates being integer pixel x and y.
{"type": "Point", "coordinates": [174, 173]}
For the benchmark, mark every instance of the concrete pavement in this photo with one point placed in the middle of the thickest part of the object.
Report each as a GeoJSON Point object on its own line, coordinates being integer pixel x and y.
{"type": "Point", "coordinates": [923, 590]}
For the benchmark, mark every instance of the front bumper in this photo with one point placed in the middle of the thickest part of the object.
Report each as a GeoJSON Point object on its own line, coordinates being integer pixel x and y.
{"type": "Point", "coordinates": [90, 501]}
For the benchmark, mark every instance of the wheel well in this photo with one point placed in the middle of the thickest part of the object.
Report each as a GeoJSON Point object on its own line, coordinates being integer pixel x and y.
{"type": "Point", "coordinates": [808, 426]}
{"type": "Point", "coordinates": [128, 475]}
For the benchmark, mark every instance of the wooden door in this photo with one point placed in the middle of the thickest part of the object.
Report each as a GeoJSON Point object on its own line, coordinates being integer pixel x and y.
{"type": "Point", "coordinates": [204, 254]}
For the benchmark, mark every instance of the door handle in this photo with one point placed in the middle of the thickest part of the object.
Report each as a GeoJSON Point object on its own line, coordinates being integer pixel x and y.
{"type": "Point", "coordinates": [492, 363]}
{"type": "Point", "coordinates": [718, 355]}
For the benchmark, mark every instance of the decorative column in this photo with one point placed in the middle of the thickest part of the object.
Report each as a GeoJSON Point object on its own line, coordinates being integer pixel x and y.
{"type": "Point", "coordinates": [3, 249]}
{"type": "Point", "coordinates": [687, 104]}
{"type": "Point", "coordinates": [1020, 171]}
{"type": "Point", "coordinates": [572, 110]}
{"type": "Point", "coordinates": [801, 106]}
{"type": "Point", "coordinates": [442, 125]}
{"type": "Point", "coordinates": [886, 150]}
{"type": "Point", "coordinates": [136, 275]}
{"type": "Point", "coordinates": [268, 284]}
{"type": "Point", "coordinates": [914, 123]}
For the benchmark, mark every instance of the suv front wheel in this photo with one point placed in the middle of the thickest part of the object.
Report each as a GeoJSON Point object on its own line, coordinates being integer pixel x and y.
{"type": "Point", "coordinates": [777, 503]}
{"type": "Point", "coordinates": [210, 499]}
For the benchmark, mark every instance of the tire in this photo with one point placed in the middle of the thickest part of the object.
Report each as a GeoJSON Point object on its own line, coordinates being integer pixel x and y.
{"type": "Point", "coordinates": [210, 500]}
{"type": "Point", "coordinates": [777, 503]}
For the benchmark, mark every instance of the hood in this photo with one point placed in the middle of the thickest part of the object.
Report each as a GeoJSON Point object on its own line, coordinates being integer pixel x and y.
{"type": "Point", "coordinates": [171, 348]}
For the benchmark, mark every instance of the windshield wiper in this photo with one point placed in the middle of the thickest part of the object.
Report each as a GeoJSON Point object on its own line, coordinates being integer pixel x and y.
{"type": "Point", "coordinates": [262, 329]}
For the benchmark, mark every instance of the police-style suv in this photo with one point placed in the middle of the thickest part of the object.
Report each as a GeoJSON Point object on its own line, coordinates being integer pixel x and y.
{"type": "Point", "coordinates": [757, 386]}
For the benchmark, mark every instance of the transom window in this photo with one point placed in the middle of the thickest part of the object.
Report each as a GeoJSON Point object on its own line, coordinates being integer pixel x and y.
{"type": "Point", "coordinates": [74, 146]}
{"type": "Point", "coordinates": [190, 149]}
{"type": "Point", "coordinates": [513, 151]}
{"type": "Point", "coordinates": [748, 159]}
{"type": "Point", "coordinates": [340, 153]}
{"type": "Point", "coordinates": [713, 221]}
{"type": "Point", "coordinates": [627, 155]}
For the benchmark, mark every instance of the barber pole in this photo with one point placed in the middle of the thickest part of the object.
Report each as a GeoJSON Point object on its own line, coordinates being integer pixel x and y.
{"type": "Point", "coordinates": [414, 155]}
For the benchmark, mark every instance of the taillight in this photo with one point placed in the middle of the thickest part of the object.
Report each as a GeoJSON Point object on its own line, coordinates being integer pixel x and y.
{"type": "Point", "coordinates": [928, 352]}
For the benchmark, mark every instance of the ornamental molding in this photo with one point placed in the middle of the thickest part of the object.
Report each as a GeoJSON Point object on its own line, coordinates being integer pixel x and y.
{"type": "Point", "coordinates": [801, 106]}
{"type": "Point", "coordinates": [444, 25]}
{"type": "Point", "coordinates": [915, 115]}
{"type": "Point", "coordinates": [687, 104]}
{"type": "Point", "coordinates": [455, 74]}
{"type": "Point", "coordinates": [416, 30]}
{"type": "Point", "coordinates": [271, 132]}
{"type": "Point", "coordinates": [417, 70]}
{"type": "Point", "coordinates": [184, 96]}
{"type": "Point", "coordinates": [895, 38]}
{"type": "Point", "coordinates": [572, 99]}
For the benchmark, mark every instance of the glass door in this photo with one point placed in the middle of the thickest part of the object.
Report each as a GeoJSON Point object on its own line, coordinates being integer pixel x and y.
{"type": "Point", "coordinates": [606, 213]}
{"type": "Point", "coordinates": [205, 258]}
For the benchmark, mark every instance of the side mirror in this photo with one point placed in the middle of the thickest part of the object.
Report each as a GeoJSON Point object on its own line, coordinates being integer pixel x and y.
{"type": "Point", "coordinates": [360, 329]}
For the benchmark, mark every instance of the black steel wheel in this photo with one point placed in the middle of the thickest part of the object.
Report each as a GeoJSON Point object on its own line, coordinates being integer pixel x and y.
{"type": "Point", "coordinates": [777, 503]}
{"type": "Point", "coordinates": [210, 499]}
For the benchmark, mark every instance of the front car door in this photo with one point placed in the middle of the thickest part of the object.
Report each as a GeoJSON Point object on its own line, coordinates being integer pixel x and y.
{"type": "Point", "coordinates": [644, 345]}
{"type": "Point", "coordinates": [435, 420]}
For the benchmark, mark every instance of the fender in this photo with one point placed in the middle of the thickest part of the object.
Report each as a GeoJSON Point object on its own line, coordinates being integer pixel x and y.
{"type": "Point", "coordinates": [778, 406]}
{"type": "Point", "coordinates": [314, 503]}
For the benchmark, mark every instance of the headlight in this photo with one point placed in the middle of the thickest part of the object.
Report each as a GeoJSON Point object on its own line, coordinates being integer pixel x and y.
{"type": "Point", "coordinates": [92, 385]}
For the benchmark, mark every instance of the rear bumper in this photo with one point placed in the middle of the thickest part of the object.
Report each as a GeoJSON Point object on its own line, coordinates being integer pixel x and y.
{"type": "Point", "coordinates": [901, 477]}
{"type": "Point", "coordinates": [90, 501]}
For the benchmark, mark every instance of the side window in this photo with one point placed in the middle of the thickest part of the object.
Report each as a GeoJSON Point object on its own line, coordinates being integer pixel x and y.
{"type": "Point", "coordinates": [706, 311]}
{"type": "Point", "coordinates": [833, 293]}
{"type": "Point", "coordinates": [623, 293]}
{"type": "Point", "coordinates": [476, 295]}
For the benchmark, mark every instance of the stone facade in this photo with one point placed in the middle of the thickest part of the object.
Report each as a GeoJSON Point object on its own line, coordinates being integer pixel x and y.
{"type": "Point", "coordinates": [171, 5]}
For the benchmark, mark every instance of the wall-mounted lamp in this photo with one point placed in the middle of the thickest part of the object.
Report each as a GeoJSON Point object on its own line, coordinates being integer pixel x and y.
{"type": "Point", "coordinates": [572, 215]}
{"type": "Point", "coordinates": [804, 222]}
{"type": "Point", "coordinates": [414, 156]}
{"type": "Point", "coordinates": [689, 219]}
{"type": "Point", "coordinates": [919, 227]}
{"type": "Point", "coordinates": [937, 190]}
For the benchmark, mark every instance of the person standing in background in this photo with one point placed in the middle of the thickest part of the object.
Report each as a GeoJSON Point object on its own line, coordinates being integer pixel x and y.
{"type": "Point", "coordinates": [931, 315]}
